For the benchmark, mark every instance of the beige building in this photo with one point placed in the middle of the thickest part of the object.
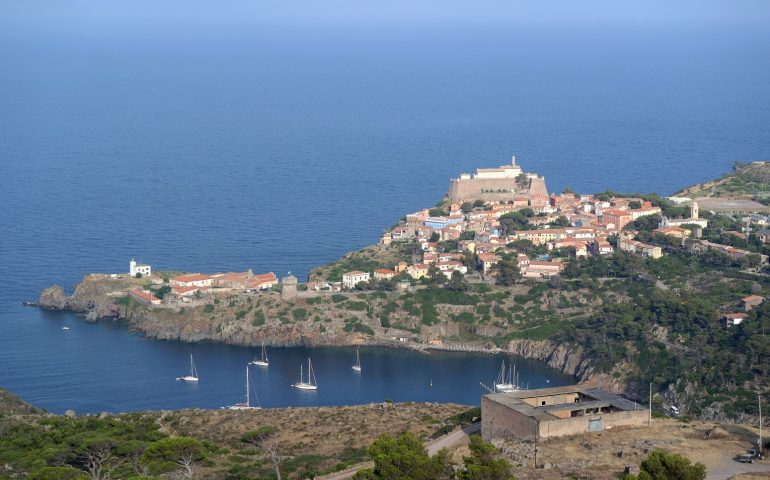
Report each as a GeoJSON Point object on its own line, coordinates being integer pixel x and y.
{"type": "Point", "coordinates": [418, 270]}
{"type": "Point", "coordinates": [192, 280]}
{"type": "Point", "coordinates": [555, 412]}
{"type": "Point", "coordinates": [540, 269]}
{"type": "Point", "coordinates": [639, 248]}
{"type": "Point", "coordinates": [384, 274]}
{"type": "Point", "coordinates": [504, 183]}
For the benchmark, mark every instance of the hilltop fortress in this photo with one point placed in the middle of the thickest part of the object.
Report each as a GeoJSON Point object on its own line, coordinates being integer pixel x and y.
{"type": "Point", "coordinates": [501, 184]}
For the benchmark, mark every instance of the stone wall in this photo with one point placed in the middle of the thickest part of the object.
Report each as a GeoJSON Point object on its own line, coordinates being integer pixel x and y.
{"type": "Point", "coordinates": [579, 425]}
{"type": "Point", "coordinates": [468, 190]}
{"type": "Point", "coordinates": [499, 421]}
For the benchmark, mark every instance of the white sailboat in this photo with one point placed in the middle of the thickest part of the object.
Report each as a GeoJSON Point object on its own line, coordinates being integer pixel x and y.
{"type": "Point", "coordinates": [193, 376]}
{"type": "Point", "coordinates": [246, 405]}
{"type": "Point", "coordinates": [262, 361]}
{"type": "Point", "coordinates": [507, 383]}
{"type": "Point", "coordinates": [357, 366]}
{"type": "Point", "coordinates": [310, 384]}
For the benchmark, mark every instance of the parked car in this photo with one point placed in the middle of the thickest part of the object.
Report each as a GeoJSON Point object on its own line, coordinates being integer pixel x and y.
{"type": "Point", "coordinates": [674, 411]}
{"type": "Point", "coordinates": [754, 452]}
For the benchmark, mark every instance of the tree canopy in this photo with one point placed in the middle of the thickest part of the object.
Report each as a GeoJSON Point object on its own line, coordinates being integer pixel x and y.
{"type": "Point", "coordinates": [663, 465]}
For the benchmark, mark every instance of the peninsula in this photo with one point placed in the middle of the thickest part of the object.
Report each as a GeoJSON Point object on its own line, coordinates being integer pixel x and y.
{"type": "Point", "coordinates": [620, 290]}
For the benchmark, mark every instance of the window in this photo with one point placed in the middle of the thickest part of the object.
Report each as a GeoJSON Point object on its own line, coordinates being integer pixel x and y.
{"type": "Point", "coordinates": [542, 403]}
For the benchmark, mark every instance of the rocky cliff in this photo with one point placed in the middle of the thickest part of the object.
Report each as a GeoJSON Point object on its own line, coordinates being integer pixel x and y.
{"type": "Point", "coordinates": [94, 295]}
{"type": "Point", "coordinates": [567, 358]}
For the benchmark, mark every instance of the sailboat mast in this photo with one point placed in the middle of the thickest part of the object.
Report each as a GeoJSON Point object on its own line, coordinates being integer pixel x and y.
{"type": "Point", "coordinates": [247, 386]}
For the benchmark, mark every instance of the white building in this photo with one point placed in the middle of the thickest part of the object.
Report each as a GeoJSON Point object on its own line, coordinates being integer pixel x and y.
{"type": "Point", "coordinates": [134, 268]}
{"type": "Point", "coordinates": [351, 279]}
{"type": "Point", "coordinates": [693, 220]}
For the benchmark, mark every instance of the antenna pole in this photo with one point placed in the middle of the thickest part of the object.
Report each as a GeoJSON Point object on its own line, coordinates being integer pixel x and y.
{"type": "Point", "coordinates": [761, 445]}
{"type": "Point", "coordinates": [649, 418]}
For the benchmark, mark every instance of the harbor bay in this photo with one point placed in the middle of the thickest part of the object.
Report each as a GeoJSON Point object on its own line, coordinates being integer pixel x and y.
{"type": "Point", "coordinates": [91, 368]}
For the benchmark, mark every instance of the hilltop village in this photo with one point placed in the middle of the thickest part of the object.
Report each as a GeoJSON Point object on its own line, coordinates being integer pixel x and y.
{"type": "Point", "coordinates": [632, 294]}
{"type": "Point", "coordinates": [502, 219]}
{"type": "Point", "coordinates": [609, 287]}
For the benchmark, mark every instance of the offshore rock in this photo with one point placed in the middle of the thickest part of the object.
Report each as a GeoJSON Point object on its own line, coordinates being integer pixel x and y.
{"type": "Point", "coordinates": [93, 294]}
{"type": "Point", "coordinates": [54, 298]}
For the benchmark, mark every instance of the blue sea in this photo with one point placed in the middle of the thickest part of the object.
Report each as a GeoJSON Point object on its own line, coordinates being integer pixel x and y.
{"type": "Point", "coordinates": [281, 149]}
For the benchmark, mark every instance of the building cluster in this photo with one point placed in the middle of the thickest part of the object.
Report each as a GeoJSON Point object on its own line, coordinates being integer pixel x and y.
{"type": "Point", "coordinates": [582, 222]}
{"type": "Point", "coordinates": [748, 304]}
{"type": "Point", "coordinates": [187, 286]}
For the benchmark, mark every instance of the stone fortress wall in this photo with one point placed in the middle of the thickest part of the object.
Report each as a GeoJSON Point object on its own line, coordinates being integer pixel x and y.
{"type": "Point", "coordinates": [498, 184]}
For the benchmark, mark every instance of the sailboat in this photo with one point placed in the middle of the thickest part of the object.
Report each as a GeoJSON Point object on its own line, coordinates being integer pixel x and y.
{"type": "Point", "coordinates": [246, 405]}
{"type": "Point", "coordinates": [357, 366]}
{"type": "Point", "coordinates": [311, 383]}
{"type": "Point", "coordinates": [262, 361]}
{"type": "Point", "coordinates": [193, 376]}
{"type": "Point", "coordinates": [507, 383]}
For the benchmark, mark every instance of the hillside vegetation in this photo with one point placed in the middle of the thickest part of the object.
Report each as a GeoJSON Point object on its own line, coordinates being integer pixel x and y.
{"type": "Point", "coordinates": [747, 180]}
{"type": "Point", "coordinates": [205, 444]}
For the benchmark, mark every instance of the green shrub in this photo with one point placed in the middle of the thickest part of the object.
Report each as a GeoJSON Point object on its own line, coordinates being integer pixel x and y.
{"type": "Point", "coordinates": [259, 319]}
{"type": "Point", "coordinates": [359, 306]}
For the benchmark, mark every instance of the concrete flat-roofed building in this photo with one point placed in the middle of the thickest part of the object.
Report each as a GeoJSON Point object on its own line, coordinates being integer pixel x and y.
{"type": "Point", "coordinates": [555, 412]}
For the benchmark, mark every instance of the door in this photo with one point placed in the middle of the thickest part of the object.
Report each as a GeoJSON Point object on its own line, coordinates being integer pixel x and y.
{"type": "Point", "coordinates": [595, 425]}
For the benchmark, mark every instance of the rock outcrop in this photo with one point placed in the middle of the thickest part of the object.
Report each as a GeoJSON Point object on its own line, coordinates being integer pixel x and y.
{"type": "Point", "coordinates": [54, 298]}
{"type": "Point", "coordinates": [94, 296]}
{"type": "Point", "coordinates": [567, 358]}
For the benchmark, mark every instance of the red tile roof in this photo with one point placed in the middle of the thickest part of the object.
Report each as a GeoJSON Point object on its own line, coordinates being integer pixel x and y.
{"type": "Point", "coordinates": [145, 296]}
{"type": "Point", "coordinates": [265, 277]}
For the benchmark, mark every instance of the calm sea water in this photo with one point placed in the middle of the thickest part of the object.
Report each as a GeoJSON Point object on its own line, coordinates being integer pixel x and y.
{"type": "Point", "coordinates": [281, 150]}
{"type": "Point", "coordinates": [120, 372]}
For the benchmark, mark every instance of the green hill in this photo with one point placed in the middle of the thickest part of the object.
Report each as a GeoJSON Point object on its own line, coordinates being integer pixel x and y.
{"type": "Point", "coordinates": [747, 180]}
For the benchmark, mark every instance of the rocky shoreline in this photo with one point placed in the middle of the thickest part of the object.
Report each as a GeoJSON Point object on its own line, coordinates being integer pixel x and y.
{"type": "Point", "coordinates": [95, 301]}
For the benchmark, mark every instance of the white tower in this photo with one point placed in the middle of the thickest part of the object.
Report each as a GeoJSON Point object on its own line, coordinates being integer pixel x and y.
{"type": "Point", "coordinates": [134, 268]}
{"type": "Point", "coordinates": [694, 210]}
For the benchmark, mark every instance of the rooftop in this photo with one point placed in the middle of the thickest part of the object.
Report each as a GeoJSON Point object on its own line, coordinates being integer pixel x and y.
{"type": "Point", "coordinates": [593, 398]}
